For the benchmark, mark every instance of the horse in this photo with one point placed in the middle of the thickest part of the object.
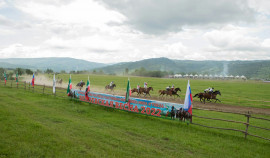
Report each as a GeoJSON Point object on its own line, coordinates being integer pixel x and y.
{"type": "Point", "coordinates": [59, 81]}
{"type": "Point", "coordinates": [135, 90]}
{"type": "Point", "coordinates": [146, 91]}
{"type": "Point", "coordinates": [170, 92]}
{"type": "Point", "coordinates": [210, 96]}
{"type": "Point", "coordinates": [80, 85]}
{"type": "Point", "coordinates": [183, 115]}
{"type": "Point", "coordinates": [110, 87]}
{"type": "Point", "coordinates": [199, 95]}
{"type": "Point", "coordinates": [174, 92]}
{"type": "Point", "coordinates": [162, 92]}
{"type": "Point", "coordinates": [187, 115]}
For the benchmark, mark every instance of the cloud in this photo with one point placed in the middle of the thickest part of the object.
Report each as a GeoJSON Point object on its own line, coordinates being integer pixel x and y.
{"type": "Point", "coordinates": [125, 30]}
{"type": "Point", "coordinates": [159, 16]}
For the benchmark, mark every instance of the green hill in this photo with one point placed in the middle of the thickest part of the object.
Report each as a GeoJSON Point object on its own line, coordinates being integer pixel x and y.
{"type": "Point", "coordinates": [57, 64]}
{"type": "Point", "coordinates": [250, 69]}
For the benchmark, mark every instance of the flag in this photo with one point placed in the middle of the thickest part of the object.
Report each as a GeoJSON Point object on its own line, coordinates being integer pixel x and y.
{"type": "Point", "coordinates": [5, 77]}
{"type": "Point", "coordinates": [188, 100]}
{"type": "Point", "coordinates": [87, 89]}
{"type": "Point", "coordinates": [69, 85]}
{"type": "Point", "coordinates": [128, 93]}
{"type": "Point", "coordinates": [54, 83]}
{"type": "Point", "coordinates": [33, 80]}
{"type": "Point", "coordinates": [17, 78]}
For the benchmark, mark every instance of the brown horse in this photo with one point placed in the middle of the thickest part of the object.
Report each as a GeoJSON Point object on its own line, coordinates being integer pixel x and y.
{"type": "Point", "coordinates": [146, 91]}
{"type": "Point", "coordinates": [136, 90]}
{"type": "Point", "coordinates": [170, 92]}
{"type": "Point", "coordinates": [162, 92]}
{"type": "Point", "coordinates": [199, 95]}
{"type": "Point", "coordinates": [210, 96]}
{"type": "Point", "coordinates": [80, 85]}
{"type": "Point", "coordinates": [183, 115]}
{"type": "Point", "coordinates": [174, 92]}
{"type": "Point", "coordinates": [110, 87]}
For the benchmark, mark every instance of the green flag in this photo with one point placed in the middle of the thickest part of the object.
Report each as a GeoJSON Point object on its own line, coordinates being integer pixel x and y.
{"type": "Point", "coordinates": [128, 93]}
{"type": "Point", "coordinates": [17, 78]}
{"type": "Point", "coordinates": [69, 85]}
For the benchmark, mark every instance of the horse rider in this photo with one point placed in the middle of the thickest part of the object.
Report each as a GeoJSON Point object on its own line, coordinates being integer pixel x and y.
{"type": "Point", "coordinates": [81, 82]}
{"type": "Point", "coordinates": [168, 88]}
{"type": "Point", "coordinates": [138, 87]}
{"type": "Point", "coordinates": [209, 90]}
{"type": "Point", "coordinates": [172, 87]}
{"type": "Point", "coordinates": [145, 85]}
{"type": "Point", "coordinates": [111, 84]}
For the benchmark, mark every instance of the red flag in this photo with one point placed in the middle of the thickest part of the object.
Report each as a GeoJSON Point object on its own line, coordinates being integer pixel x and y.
{"type": "Point", "coordinates": [33, 80]}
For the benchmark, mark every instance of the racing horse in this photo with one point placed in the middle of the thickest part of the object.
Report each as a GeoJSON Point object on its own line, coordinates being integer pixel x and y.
{"type": "Point", "coordinates": [199, 95]}
{"type": "Point", "coordinates": [80, 85]}
{"type": "Point", "coordinates": [210, 96]}
{"type": "Point", "coordinates": [174, 92]}
{"type": "Point", "coordinates": [110, 87]}
{"type": "Point", "coordinates": [59, 81]}
{"type": "Point", "coordinates": [146, 91]}
{"type": "Point", "coordinates": [136, 90]}
{"type": "Point", "coordinates": [169, 92]}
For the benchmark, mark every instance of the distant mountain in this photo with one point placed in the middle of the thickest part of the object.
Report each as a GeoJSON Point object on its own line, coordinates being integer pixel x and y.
{"type": "Point", "coordinates": [56, 64]}
{"type": "Point", "coordinates": [250, 69]}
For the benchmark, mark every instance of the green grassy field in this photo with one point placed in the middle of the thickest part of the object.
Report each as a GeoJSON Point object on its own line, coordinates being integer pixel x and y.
{"type": "Point", "coordinates": [36, 125]}
{"type": "Point", "coordinates": [242, 93]}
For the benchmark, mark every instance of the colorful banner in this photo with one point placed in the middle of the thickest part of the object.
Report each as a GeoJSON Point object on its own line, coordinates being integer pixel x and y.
{"type": "Point", "coordinates": [137, 105]}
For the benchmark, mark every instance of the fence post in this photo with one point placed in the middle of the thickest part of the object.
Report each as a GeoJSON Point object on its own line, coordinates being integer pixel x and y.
{"type": "Point", "coordinates": [29, 86]}
{"type": "Point", "coordinates": [24, 85]}
{"type": "Point", "coordinates": [246, 133]}
{"type": "Point", "coordinates": [43, 88]}
{"type": "Point", "coordinates": [17, 84]}
{"type": "Point", "coordinates": [11, 83]}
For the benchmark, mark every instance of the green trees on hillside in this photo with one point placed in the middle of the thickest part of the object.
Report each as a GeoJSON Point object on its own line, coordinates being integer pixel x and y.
{"type": "Point", "coordinates": [143, 72]}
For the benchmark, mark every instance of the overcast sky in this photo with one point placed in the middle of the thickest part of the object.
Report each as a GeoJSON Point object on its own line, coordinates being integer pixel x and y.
{"type": "Point", "coordinates": [110, 31]}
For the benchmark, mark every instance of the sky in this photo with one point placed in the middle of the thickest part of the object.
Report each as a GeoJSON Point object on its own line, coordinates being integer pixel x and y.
{"type": "Point", "coordinates": [112, 31]}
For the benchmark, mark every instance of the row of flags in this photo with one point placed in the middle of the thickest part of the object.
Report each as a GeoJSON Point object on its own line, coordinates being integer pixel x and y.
{"type": "Point", "coordinates": [16, 78]}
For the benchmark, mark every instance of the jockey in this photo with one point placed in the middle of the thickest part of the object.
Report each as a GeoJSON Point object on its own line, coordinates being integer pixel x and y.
{"type": "Point", "coordinates": [111, 83]}
{"type": "Point", "coordinates": [209, 90]}
{"type": "Point", "coordinates": [145, 85]}
{"type": "Point", "coordinates": [168, 88]}
{"type": "Point", "coordinates": [138, 87]}
{"type": "Point", "coordinates": [81, 82]}
{"type": "Point", "coordinates": [172, 87]}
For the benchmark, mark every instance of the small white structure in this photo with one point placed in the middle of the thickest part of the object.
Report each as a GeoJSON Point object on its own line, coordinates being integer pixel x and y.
{"type": "Point", "coordinates": [243, 77]}
{"type": "Point", "coordinates": [177, 76]}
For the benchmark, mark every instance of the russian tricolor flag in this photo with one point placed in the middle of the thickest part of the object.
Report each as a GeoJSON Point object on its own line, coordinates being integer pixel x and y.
{"type": "Point", "coordinates": [188, 100]}
{"type": "Point", "coordinates": [33, 80]}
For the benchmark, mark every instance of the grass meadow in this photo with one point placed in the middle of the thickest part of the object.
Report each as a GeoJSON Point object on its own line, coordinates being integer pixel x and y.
{"type": "Point", "coordinates": [233, 92]}
{"type": "Point", "coordinates": [36, 125]}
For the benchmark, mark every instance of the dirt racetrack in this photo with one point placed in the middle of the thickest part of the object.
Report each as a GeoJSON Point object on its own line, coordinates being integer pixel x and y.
{"type": "Point", "coordinates": [196, 104]}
